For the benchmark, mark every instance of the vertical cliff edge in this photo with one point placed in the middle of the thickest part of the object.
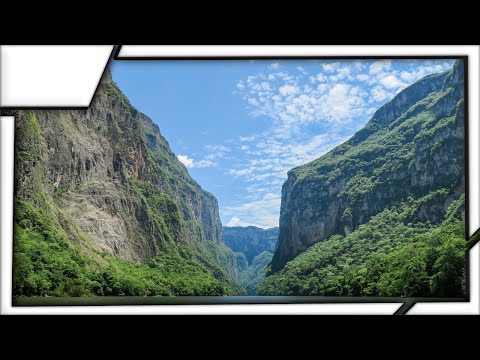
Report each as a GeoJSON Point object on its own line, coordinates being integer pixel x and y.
{"type": "Point", "coordinates": [106, 185]}
{"type": "Point", "coordinates": [412, 146]}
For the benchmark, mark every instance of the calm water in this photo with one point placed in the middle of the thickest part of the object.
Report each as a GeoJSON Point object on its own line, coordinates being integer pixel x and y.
{"type": "Point", "coordinates": [210, 300]}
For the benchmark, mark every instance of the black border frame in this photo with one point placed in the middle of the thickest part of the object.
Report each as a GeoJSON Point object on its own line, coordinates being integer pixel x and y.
{"type": "Point", "coordinates": [408, 303]}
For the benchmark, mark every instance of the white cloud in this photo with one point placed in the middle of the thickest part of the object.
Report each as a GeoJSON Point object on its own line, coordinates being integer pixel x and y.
{"type": "Point", "coordinates": [362, 77]}
{"type": "Point", "coordinates": [246, 171]}
{"type": "Point", "coordinates": [204, 164]}
{"type": "Point", "coordinates": [408, 76]}
{"type": "Point", "coordinates": [185, 160]}
{"type": "Point", "coordinates": [190, 163]}
{"type": "Point", "coordinates": [321, 77]}
{"type": "Point", "coordinates": [247, 138]}
{"type": "Point", "coordinates": [379, 94]}
{"type": "Point", "coordinates": [309, 116]}
{"type": "Point", "coordinates": [288, 90]}
{"type": "Point", "coordinates": [321, 88]}
{"type": "Point", "coordinates": [392, 82]}
{"type": "Point", "coordinates": [274, 65]}
{"type": "Point", "coordinates": [266, 209]}
{"type": "Point", "coordinates": [341, 103]}
{"type": "Point", "coordinates": [341, 74]}
{"type": "Point", "coordinates": [302, 70]}
{"type": "Point", "coordinates": [218, 148]}
{"type": "Point", "coordinates": [359, 64]}
{"type": "Point", "coordinates": [266, 170]}
{"type": "Point", "coordinates": [331, 67]}
{"type": "Point", "coordinates": [273, 158]}
{"type": "Point", "coordinates": [379, 66]}
{"type": "Point", "coordinates": [235, 221]}
{"type": "Point", "coordinates": [419, 72]}
{"type": "Point", "coordinates": [291, 102]}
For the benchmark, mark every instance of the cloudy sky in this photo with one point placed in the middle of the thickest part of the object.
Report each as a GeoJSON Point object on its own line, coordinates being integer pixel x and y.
{"type": "Point", "coordinates": [239, 126]}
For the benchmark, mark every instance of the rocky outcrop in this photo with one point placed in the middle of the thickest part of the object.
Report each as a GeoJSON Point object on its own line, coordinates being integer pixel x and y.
{"type": "Point", "coordinates": [111, 173]}
{"type": "Point", "coordinates": [412, 145]}
{"type": "Point", "coordinates": [250, 240]}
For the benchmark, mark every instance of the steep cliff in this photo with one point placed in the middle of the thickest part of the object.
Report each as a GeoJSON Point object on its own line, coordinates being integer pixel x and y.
{"type": "Point", "coordinates": [105, 181]}
{"type": "Point", "coordinates": [250, 240]}
{"type": "Point", "coordinates": [412, 146]}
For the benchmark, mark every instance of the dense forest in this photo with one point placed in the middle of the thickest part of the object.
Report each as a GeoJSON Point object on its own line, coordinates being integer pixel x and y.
{"type": "Point", "coordinates": [46, 263]}
{"type": "Point", "coordinates": [391, 255]}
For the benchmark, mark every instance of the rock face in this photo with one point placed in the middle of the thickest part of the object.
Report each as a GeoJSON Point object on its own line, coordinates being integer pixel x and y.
{"type": "Point", "coordinates": [252, 277]}
{"type": "Point", "coordinates": [111, 172]}
{"type": "Point", "coordinates": [250, 240]}
{"type": "Point", "coordinates": [413, 145]}
{"type": "Point", "coordinates": [254, 249]}
{"type": "Point", "coordinates": [242, 262]}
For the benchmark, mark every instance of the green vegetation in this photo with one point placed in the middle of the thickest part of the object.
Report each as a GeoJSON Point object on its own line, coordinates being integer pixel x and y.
{"type": "Point", "coordinates": [379, 150]}
{"type": "Point", "coordinates": [45, 263]}
{"type": "Point", "coordinates": [412, 147]}
{"type": "Point", "coordinates": [386, 150]}
{"type": "Point", "coordinates": [252, 276]}
{"type": "Point", "coordinates": [242, 262]}
{"type": "Point", "coordinates": [220, 262]}
{"type": "Point", "coordinates": [391, 255]}
{"type": "Point", "coordinates": [54, 257]}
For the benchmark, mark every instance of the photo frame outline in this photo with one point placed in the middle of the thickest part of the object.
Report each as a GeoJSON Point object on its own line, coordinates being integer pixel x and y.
{"type": "Point", "coordinates": [407, 302]}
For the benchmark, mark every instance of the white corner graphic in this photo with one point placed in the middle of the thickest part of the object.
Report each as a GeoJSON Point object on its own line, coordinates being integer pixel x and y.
{"type": "Point", "coordinates": [50, 76]}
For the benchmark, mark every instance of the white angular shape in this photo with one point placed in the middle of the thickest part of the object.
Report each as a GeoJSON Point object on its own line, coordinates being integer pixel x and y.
{"type": "Point", "coordinates": [474, 139]}
{"type": "Point", "coordinates": [7, 126]}
{"type": "Point", "coordinates": [273, 51]}
{"type": "Point", "coordinates": [50, 76]}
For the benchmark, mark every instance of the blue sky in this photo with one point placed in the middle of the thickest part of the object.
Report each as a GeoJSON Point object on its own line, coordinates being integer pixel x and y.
{"type": "Point", "coordinates": [239, 126]}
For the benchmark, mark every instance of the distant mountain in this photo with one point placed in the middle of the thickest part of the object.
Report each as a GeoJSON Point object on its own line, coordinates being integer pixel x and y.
{"type": "Point", "coordinates": [253, 275]}
{"type": "Point", "coordinates": [250, 240]}
{"type": "Point", "coordinates": [254, 249]}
